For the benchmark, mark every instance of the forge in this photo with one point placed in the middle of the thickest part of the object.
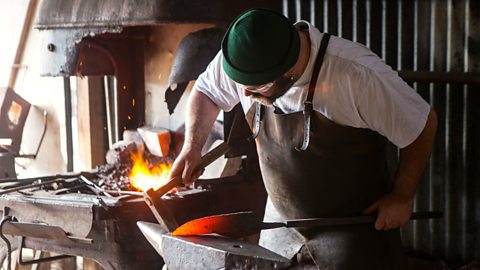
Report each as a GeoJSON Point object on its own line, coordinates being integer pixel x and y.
{"type": "Point", "coordinates": [94, 214]}
{"type": "Point", "coordinates": [113, 56]}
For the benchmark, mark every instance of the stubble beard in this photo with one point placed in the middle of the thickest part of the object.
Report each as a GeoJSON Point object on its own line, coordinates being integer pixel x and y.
{"type": "Point", "coordinates": [278, 89]}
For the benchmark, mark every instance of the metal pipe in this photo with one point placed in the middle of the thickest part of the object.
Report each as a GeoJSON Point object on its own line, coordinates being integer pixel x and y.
{"type": "Point", "coordinates": [325, 16]}
{"type": "Point", "coordinates": [367, 22]}
{"type": "Point", "coordinates": [432, 195]}
{"type": "Point", "coordinates": [384, 30]}
{"type": "Point", "coordinates": [116, 127]}
{"type": "Point", "coordinates": [399, 34]}
{"type": "Point", "coordinates": [440, 77]}
{"type": "Point", "coordinates": [354, 20]}
{"type": "Point", "coordinates": [449, 198]}
{"type": "Point", "coordinates": [465, 121]}
{"type": "Point", "coordinates": [415, 226]}
{"type": "Point", "coordinates": [68, 122]}
{"type": "Point", "coordinates": [108, 109]}
{"type": "Point", "coordinates": [312, 12]}
{"type": "Point", "coordinates": [339, 18]}
{"type": "Point", "coordinates": [285, 7]}
{"type": "Point", "coordinates": [298, 9]}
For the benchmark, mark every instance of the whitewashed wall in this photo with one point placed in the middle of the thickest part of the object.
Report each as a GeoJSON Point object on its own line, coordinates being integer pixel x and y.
{"type": "Point", "coordinates": [44, 92]}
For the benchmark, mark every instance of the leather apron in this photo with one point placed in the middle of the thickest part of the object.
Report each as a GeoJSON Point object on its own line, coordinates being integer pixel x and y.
{"type": "Point", "coordinates": [340, 171]}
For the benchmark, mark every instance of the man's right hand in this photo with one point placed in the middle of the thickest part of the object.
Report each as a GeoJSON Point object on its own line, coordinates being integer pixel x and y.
{"type": "Point", "coordinates": [184, 166]}
{"type": "Point", "coordinates": [200, 115]}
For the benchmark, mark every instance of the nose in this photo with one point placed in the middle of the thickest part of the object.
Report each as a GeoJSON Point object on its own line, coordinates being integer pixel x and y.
{"type": "Point", "coordinates": [246, 92]}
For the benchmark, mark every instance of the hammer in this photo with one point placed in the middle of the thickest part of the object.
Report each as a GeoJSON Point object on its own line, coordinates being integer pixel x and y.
{"type": "Point", "coordinates": [153, 198]}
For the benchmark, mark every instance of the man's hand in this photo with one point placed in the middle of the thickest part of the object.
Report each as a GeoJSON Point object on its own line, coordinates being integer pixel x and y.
{"type": "Point", "coordinates": [184, 167]}
{"type": "Point", "coordinates": [393, 211]}
{"type": "Point", "coordinates": [201, 113]}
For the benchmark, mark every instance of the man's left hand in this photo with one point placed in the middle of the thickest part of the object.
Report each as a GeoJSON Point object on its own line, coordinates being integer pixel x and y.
{"type": "Point", "coordinates": [393, 211]}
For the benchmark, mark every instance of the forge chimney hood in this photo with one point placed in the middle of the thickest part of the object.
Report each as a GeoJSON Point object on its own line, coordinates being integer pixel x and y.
{"type": "Point", "coordinates": [65, 24]}
{"type": "Point", "coordinates": [121, 13]}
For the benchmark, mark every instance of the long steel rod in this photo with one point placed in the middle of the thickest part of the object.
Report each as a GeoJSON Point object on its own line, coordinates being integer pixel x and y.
{"type": "Point", "coordinates": [93, 186]}
{"type": "Point", "coordinates": [123, 192]}
{"type": "Point", "coordinates": [10, 190]}
{"type": "Point", "coordinates": [33, 179]}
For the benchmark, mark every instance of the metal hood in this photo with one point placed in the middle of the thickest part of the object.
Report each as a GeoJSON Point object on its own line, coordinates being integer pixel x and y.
{"type": "Point", "coordinates": [115, 13]}
{"type": "Point", "coordinates": [65, 24]}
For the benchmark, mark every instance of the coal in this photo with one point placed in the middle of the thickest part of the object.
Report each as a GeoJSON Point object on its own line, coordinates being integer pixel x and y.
{"type": "Point", "coordinates": [121, 152]}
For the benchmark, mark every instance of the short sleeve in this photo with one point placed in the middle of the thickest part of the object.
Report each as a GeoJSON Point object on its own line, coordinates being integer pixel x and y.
{"type": "Point", "coordinates": [216, 85]}
{"type": "Point", "coordinates": [388, 105]}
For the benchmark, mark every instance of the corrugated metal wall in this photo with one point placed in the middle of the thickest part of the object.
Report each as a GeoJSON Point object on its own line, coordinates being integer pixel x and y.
{"type": "Point", "coordinates": [427, 35]}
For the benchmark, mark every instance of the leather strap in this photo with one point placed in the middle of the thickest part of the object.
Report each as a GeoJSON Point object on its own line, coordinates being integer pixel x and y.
{"type": "Point", "coordinates": [256, 121]}
{"type": "Point", "coordinates": [308, 105]}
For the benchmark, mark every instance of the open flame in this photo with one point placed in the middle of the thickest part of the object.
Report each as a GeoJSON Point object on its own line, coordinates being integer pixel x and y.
{"type": "Point", "coordinates": [143, 176]}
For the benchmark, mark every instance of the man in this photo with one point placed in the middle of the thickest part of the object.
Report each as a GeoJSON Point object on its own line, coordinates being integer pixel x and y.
{"type": "Point", "coordinates": [321, 108]}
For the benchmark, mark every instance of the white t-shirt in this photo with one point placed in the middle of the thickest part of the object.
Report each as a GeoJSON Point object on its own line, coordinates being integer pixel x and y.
{"type": "Point", "coordinates": [354, 88]}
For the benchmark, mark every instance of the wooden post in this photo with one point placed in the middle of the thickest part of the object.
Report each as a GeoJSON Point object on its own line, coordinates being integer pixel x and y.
{"type": "Point", "coordinates": [91, 121]}
{"type": "Point", "coordinates": [27, 26]}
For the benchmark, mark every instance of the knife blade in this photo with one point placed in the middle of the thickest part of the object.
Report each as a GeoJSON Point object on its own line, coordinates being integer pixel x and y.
{"type": "Point", "coordinates": [242, 224]}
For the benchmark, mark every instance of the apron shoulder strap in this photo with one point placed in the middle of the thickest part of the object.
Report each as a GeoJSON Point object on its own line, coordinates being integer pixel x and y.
{"type": "Point", "coordinates": [318, 65]}
{"type": "Point", "coordinates": [308, 105]}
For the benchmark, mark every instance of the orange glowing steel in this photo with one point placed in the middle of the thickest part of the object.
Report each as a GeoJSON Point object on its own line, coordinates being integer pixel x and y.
{"type": "Point", "coordinates": [144, 177]}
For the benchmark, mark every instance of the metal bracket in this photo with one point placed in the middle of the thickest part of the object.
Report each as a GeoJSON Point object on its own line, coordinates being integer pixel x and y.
{"type": "Point", "coordinates": [34, 155]}
{"type": "Point", "coordinates": [36, 261]}
{"type": "Point", "coordinates": [5, 219]}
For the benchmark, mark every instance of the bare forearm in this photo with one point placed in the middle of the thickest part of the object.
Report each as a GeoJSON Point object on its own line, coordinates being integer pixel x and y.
{"type": "Point", "coordinates": [201, 114]}
{"type": "Point", "coordinates": [414, 159]}
{"type": "Point", "coordinates": [394, 208]}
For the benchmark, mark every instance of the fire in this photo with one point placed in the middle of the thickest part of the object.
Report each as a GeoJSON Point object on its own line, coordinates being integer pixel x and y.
{"type": "Point", "coordinates": [143, 176]}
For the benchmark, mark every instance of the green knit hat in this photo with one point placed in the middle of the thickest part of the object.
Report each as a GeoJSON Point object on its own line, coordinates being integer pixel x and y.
{"type": "Point", "coordinates": [259, 46]}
